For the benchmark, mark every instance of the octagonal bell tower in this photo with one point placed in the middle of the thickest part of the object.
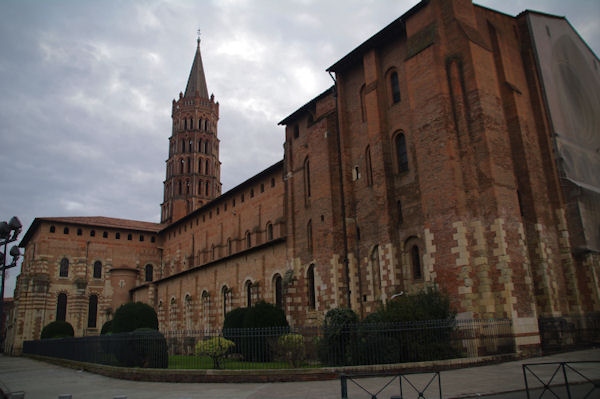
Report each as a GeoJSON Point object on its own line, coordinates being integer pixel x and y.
{"type": "Point", "coordinates": [193, 175]}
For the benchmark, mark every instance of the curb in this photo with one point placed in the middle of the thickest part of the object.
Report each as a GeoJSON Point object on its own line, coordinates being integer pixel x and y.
{"type": "Point", "coordinates": [272, 375]}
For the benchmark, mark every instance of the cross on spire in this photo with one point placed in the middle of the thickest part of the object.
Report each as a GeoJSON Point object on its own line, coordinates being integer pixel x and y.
{"type": "Point", "coordinates": [198, 39]}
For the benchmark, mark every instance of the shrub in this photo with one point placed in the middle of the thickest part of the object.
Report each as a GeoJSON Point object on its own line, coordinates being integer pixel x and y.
{"type": "Point", "coordinates": [422, 330]}
{"type": "Point", "coordinates": [141, 348]}
{"type": "Point", "coordinates": [337, 348]}
{"type": "Point", "coordinates": [241, 324]}
{"type": "Point", "coordinates": [216, 348]}
{"type": "Point", "coordinates": [235, 318]}
{"type": "Point", "coordinates": [131, 316]}
{"type": "Point", "coordinates": [57, 329]}
{"type": "Point", "coordinates": [106, 328]}
{"type": "Point", "coordinates": [263, 315]}
{"type": "Point", "coordinates": [291, 348]}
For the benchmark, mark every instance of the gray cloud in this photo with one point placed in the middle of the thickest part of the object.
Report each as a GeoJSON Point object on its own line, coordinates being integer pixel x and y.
{"type": "Point", "coordinates": [87, 89]}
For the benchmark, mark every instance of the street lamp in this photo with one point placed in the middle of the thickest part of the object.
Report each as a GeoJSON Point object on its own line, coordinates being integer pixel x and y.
{"type": "Point", "coordinates": [8, 233]}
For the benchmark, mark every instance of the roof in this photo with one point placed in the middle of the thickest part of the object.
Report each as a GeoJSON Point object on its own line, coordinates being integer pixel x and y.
{"type": "Point", "coordinates": [96, 221]}
{"type": "Point", "coordinates": [300, 110]}
{"type": "Point", "coordinates": [227, 195]}
{"type": "Point", "coordinates": [393, 30]}
{"type": "Point", "coordinates": [196, 81]}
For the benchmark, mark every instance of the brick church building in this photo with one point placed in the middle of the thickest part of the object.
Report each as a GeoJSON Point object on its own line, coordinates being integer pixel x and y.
{"type": "Point", "coordinates": [458, 147]}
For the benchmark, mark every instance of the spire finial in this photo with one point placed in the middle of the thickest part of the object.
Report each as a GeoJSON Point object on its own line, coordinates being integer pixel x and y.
{"type": "Point", "coordinates": [198, 39]}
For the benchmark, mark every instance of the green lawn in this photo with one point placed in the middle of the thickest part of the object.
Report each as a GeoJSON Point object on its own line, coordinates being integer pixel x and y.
{"type": "Point", "coordinates": [205, 362]}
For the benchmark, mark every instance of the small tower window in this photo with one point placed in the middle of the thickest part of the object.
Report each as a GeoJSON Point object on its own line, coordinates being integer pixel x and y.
{"type": "Point", "coordinates": [401, 153]}
{"type": "Point", "coordinates": [97, 269]}
{"type": "Point", "coordinates": [64, 268]}
{"type": "Point", "coordinates": [66, 230]}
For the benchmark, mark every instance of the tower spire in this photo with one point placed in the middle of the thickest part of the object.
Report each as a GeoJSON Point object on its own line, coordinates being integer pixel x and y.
{"type": "Point", "coordinates": [197, 82]}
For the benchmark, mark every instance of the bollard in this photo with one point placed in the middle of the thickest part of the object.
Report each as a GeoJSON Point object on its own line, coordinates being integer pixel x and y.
{"type": "Point", "coordinates": [344, 383]}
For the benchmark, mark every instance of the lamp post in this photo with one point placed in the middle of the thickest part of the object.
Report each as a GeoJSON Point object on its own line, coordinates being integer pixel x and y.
{"type": "Point", "coordinates": [8, 233]}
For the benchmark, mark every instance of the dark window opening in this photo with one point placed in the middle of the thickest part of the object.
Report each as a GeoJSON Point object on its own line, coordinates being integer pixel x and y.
{"type": "Point", "coordinates": [52, 229]}
{"type": "Point", "coordinates": [269, 231]}
{"type": "Point", "coordinates": [66, 230]}
{"type": "Point", "coordinates": [416, 262]}
{"type": "Point", "coordinates": [279, 292]}
{"type": "Point", "coordinates": [141, 237]}
{"type": "Point", "coordinates": [93, 311]}
{"type": "Point", "coordinates": [64, 268]}
{"type": "Point", "coordinates": [79, 232]}
{"type": "Point", "coordinates": [272, 182]}
{"type": "Point", "coordinates": [92, 233]}
{"type": "Point", "coordinates": [153, 239]}
{"type": "Point", "coordinates": [401, 153]}
{"type": "Point", "coordinates": [129, 237]}
{"type": "Point", "coordinates": [149, 272]}
{"type": "Point", "coordinates": [248, 294]}
{"type": "Point", "coordinates": [61, 307]}
{"type": "Point", "coordinates": [296, 131]}
{"type": "Point", "coordinates": [97, 269]}
{"type": "Point", "coordinates": [118, 236]}
{"type": "Point", "coordinates": [262, 187]}
{"type": "Point", "coordinates": [105, 234]}
{"type": "Point", "coordinates": [395, 86]}
{"type": "Point", "coordinates": [310, 277]}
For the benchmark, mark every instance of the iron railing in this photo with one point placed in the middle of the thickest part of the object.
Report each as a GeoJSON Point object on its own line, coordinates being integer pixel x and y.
{"type": "Point", "coordinates": [560, 379]}
{"type": "Point", "coordinates": [569, 332]}
{"type": "Point", "coordinates": [261, 348]}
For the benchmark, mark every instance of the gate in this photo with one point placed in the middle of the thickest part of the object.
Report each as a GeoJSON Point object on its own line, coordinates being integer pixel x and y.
{"type": "Point", "coordinates": [421, 384]}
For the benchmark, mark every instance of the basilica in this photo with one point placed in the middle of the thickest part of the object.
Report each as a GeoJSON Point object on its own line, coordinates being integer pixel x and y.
{"type": "Point", "coordinates": [457, 148]}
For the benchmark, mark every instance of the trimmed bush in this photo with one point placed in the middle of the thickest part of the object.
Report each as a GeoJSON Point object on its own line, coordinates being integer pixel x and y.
{"type": "Point", "coordinates": [57, 329]}
{"type": "Point", "coordinates": [132, 316]}
{"type": "Point", "coordinates": [106, 328]}
{"type": "Point", "coordinates": [338, 346]}
{"type": "Point", "coordinates": [216, 348]}
{"type": "Point", "coordinates": [235, 318]}
{"type": "Point", "coordinates": [255, 330]}
{"type": "Point", "coordinates": [142, 348]}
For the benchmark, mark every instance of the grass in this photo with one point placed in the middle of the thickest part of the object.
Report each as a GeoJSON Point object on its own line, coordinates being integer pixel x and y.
{"type": "Point", "coordinates": [205, 363]}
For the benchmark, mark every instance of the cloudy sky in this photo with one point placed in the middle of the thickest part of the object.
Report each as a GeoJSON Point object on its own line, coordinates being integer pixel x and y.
{"type": "Point", "coordinates": [86, 88]}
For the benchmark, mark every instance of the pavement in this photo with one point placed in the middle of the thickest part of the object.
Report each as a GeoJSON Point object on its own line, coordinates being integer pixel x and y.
{"type": "Point", "coordinates": [40, 380]}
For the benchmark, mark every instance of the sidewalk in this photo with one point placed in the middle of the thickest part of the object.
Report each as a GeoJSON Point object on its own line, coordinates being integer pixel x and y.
{"type": "Point", "coordinates": [40, 380]}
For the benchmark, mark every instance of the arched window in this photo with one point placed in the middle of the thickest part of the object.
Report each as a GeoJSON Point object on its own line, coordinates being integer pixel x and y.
{"type": "Point", "coordinates": [278, 288]}
{"type": "Point", "coordinates": [309, 236]}
{"type": "Point", "coordinates": [182, 145]}
{"type": "Point", "coordinates": [66, 230]}
{"type": "Point", "coordinates": [199, 145]}
{"type": "Point", "coordinates": [306, 179]}
{"type": "Point", "coordinates": [269, 231]}
{"type": "Point", "coordinates": [395, 87]}
{"type": "Point", "coordinates": [248, 287]}
{"type": "Point", "coordinates": [61, 307]}
{"type": "Point", "coordinates": [416, 262]}
{"type": "Point", "coordinates": [149, 272]}
{"type": "Point", "coordinates": [212, 253]}
{"type": "Point", "coordinates": [97, 269]}
{"type": "Point", "coordinates": [248, 239]}
{"type": "Point", "coordinates": [189, 165]}
{"type": "Point", "coordinates": [187, 303]}
{"type": "Point", "coordinates": [401, 153]}
{"type": "Point", "coordinates": [206, 169]}
{"type": "Point", "coordinates": [181, 166]}
{"type": "Point", "coordinates": [368, 166]}
{"type": "Point", "coordinates": [205, 307]}
{"type": "Point", "coordinates": [225, 294]}
{"type": "Point", "coordinates": [206, 188]}
{"type": "Point", "coordinates": [310, 281]}
{"type": "Point", "coordinates": [92, 311]}
{"type": "Point", "coordinates": [229, 246]}
{"type": "Point", "coordinates": [64, 268]}
{"type": "Point", "coordinates": [191, 146]}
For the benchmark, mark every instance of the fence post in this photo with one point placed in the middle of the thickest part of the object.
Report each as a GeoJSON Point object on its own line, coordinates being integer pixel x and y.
{"type": "Point", "coordinates": [344, 383]}
{"type": "Point", "coordinates": [525, 378]}
{"type": "Point", "coordinates": [562, 364]}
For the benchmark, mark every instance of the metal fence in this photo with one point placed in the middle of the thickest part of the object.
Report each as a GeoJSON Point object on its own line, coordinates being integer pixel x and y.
{"type": "Point", "coordinates": [562, 379]}
{"type": "Point", "coordinates": [297, 347]}
{"type": "Point", "coordinates": [569, 332]}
